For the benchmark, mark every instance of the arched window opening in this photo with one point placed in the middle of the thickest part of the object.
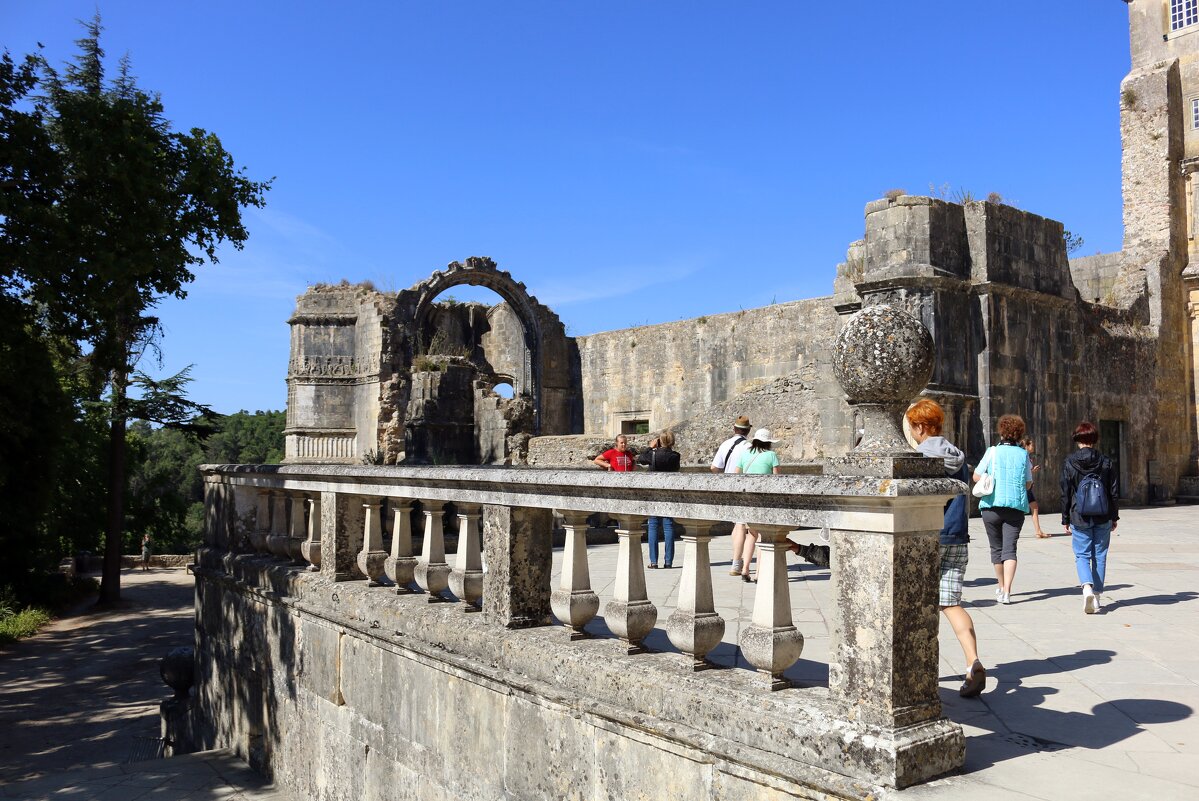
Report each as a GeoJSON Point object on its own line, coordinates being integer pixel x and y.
{"type": "Point", "coordinates": [504, 390]}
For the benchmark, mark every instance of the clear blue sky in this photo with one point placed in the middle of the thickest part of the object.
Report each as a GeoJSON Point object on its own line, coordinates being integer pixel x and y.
{"type": "Point", "coordinates": [631, 162]}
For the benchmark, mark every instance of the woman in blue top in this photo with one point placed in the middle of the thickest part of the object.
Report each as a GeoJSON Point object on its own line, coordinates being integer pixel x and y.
{"type": "Point", "coordinates": [1004, 509]}
{"type": "Point", "coordinates": [759, 460]}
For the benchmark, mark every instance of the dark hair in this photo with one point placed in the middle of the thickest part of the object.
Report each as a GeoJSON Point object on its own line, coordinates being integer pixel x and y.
{"type": "Point", "coordinates": [1086, 433]}
{"type": "Point", "coordinates": [759, 445]}
{"type": "Point", "coordinates": [1011, 427]}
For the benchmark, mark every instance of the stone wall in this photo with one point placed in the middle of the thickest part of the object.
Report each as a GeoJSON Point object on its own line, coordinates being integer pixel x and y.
{"type": "Point", "coordinates": [673, 372]}
{"type": "Point", "coordinates": [1095, 276]}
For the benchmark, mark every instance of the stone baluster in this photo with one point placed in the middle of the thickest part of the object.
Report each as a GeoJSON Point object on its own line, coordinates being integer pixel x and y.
{"type": "Point", "coordinates": [371, 557]}
{"type": "Point", "coordinates": [630, 615]}
{"type": "Point", "coordinates": [400, 566]}
{"type": "Point", "coordinates": [295, 541]}
{"type": "Point", "coordinates": [262, 522]}
{"type": "Point", "coordinates": [466, 579]}
{"type": "Point", "coordinates": [311, 549]}
{"type": "Point", "coordinates": [276, 541]}
{"type": "Point", "coordinates": [694, 627]}
{"type": "Point", "coordinates": [574, 602]}
{"type": "Point", "coordinates": [432, 572]}
{"type": "Point", "coordinates": [771, 643]}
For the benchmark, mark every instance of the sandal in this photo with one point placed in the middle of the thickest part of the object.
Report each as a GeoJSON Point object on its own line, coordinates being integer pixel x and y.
{"type": "Point", "coordinates": [976, 681]}
{"type": "Point", "coordinates": [745, 577]}
{"type": "Point", "coordinates": [653, 567]}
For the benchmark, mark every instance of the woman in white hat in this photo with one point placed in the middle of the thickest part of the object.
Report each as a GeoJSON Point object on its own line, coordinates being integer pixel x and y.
{"type": "Point", "coordinates": [758, 460]}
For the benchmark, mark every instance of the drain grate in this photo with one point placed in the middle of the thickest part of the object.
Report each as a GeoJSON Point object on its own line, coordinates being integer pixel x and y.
{"type": "Point", "coordinates": [145, 748]}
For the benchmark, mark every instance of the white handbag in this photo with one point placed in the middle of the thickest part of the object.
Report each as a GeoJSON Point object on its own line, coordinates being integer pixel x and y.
{"type": "Point", "coordinates": [985, 485]}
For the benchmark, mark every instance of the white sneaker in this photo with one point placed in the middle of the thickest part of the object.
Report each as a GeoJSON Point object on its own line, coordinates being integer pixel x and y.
{"type": "Point", "coordinates": [1090, 604]}
{"type": "Point", "coordinates": [1005, 598]}
{"type": "Point", "coordinates": [1098, 605]}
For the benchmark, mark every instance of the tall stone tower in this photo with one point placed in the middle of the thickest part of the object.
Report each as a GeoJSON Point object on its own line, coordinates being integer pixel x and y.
{"type": "Point", "coordinates": [1159, 128]}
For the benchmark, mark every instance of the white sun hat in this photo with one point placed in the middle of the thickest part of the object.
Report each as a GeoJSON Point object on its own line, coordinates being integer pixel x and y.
{"type": "Point", "coordinates": [763, 435]}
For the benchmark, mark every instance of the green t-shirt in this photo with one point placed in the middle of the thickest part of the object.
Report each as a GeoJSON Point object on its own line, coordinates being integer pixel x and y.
{"type": "Point", "coordinates": [758, 463]}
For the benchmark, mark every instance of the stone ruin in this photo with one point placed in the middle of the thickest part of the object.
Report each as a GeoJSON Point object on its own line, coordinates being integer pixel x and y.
{"type": "Point", "coordinates": [396, 377]}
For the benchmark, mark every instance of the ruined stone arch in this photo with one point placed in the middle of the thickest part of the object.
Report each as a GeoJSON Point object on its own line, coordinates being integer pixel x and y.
{"type": "Point", "coordinates": [482, 271]}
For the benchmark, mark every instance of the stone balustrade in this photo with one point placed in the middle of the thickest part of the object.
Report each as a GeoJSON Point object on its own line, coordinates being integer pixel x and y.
{"type": "Point", "coordinates": [884, 534]}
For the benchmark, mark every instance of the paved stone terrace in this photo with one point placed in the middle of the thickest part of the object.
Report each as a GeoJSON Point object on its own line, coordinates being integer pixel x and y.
{"type": "Point", "coordinates": [1076, 706]}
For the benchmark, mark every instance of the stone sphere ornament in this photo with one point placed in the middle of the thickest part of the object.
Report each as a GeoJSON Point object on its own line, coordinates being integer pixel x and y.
{"type": "Point", "coordinates": [178, 670]}
{"type": "Point", "coordinates": [883, 355]}
{"type": "Point", "coordinates": [882, 358]}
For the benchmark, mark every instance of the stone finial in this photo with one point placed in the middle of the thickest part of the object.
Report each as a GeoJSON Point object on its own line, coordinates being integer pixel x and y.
{"type": "Point", "coordinates": [882, 358]}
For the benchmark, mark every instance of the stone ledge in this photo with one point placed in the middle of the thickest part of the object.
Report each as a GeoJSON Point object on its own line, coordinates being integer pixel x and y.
{"type": "Point", "coordinates": [796, 735]}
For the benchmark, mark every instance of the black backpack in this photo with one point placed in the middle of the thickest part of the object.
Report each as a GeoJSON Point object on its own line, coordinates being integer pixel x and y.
{"type": "Point", "coordinates": [1090, 499]}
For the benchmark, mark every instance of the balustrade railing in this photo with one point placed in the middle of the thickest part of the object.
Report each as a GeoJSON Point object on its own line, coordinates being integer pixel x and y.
{"type": "Point", "coordinates": [348, 544]}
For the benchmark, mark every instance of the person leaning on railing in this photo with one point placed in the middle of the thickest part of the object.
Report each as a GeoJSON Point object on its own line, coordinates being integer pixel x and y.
{"type": "Point", "coordinates": [661, 457]}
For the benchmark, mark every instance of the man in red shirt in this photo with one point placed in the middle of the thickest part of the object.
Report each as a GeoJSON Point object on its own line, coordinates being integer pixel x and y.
{"type": "Point", "coordinates": [618, 459]}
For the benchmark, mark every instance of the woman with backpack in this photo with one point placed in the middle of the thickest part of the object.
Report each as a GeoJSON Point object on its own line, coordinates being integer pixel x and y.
{"type": "Point", "coordinates": [1004, 508]}
{"type": "Point", "coordinates": [1090, 511]}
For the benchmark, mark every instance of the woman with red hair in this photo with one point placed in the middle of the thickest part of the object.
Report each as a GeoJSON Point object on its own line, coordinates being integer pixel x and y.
{"type": "Point", "coordinates": [925, 418]}
{"type": "Point", "coordinates": [1090, 511]}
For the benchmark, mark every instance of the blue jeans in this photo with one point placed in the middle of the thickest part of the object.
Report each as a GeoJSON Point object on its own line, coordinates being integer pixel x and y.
{"type": "Point", "coordinates": [661, 526]}
{"type": "Point", "coordinates": [1090, 552]}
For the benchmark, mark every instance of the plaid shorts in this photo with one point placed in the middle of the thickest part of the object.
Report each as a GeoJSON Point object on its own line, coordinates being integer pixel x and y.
{"type": "Point", "coordinates": [953, 571]}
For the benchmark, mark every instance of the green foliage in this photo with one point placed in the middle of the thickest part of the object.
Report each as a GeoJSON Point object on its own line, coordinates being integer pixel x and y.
{"type": "Point", "coordinates": [104, 211]}
{"type": "Point", "coordinates": [423, 364]}
{"type": "Point", "coordinates": [22, 624]}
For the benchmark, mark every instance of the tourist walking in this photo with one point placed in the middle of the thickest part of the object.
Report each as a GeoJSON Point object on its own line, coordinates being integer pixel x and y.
{"type": "Point", "coordinates": [1090, 511]}
{"type": "Point", "coordinates": [145, 553]}
{"type": "Point", "coordinates": [618, 459]}
{"type": "Point", "coordinates": [759, 459]}
{"type": "Point", "coordinates": [926, 418]}
{"type": "Point", "coordinates": [1034, 507]}
{"type": "Point", "coordinates": [1004, 508]}
{"type": "Point", "coordinates": [661, 457]}
{"type": "Point", "coordinates": [725, 461]}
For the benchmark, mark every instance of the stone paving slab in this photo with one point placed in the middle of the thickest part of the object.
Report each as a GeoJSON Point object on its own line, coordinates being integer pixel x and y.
{"type": "Point", "coordinates": [207, 776]}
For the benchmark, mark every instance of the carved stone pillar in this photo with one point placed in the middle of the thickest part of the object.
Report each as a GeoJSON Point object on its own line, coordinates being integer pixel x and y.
{"type": "Point", "coordinates": [371, 557]}
{"type": "Point", "coordinates": [432, 572]}
{"type": "Point", "coordinates": [517, 548]}
{"type": "Point", "coordinates": [694, 627]}
{"type": "Point", "coordinates": [630, 615]}
{"type": "Point", "coordinates": [466, 578]}
{"type": "Point", "coordinates": [883, 650]}
{"type": "Point", "coordinates": [295, 539]}
{"type": "Point", "coordinates": [771, 643]}
{"type": "Point", "coordinates": [400, 567]}
{"type": "Point", "coordinates": [574, 602]}
{"type": "Point", "coordinates": [341, 526]}
{"type": "Point", "coordinates": [311, 549]}
{"type": "Point", "coordinates": [262, 522]}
